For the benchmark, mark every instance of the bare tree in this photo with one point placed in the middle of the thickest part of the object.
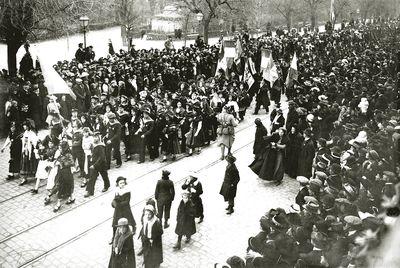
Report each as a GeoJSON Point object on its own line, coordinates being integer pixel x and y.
{"type": "Point", "coordinates": [286, 8]}
{"type": "Point", "coordinates": [258, 12]}
{"type": "Point", "coordinates": [23, 19]}
{"type": "Point", "coordinates": [366, 7]}
{"type": "Point", "coordinates": [209, 9]}
{"type": "Point", "coordinates": [341, 6]}
{"type": "Point", "coordinates": [312, 6]}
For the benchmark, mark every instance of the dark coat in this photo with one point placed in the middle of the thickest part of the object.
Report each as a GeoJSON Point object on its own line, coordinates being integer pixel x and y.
{"type": "Point", "coordinates": [231, 179]}
{"type": "Point", "coordinates": [300, 196]}
{"type": "Point", "coordinates": [165, 191]}
{"type": "Point", "coordinates": [114, 132]}
{"type": "Point", "coordinates": [306, 158]}
{"type": "Point", "coordinates": [185, 224]}
{"type": "Point", "coordinates": [99, 157]}
{"type": "Point", "coordinates": [123, 209]}
{"type": "Point", "coordinates": [259, 142]}
{"type": "Point", "coordinates": [152, 252]}
{"type": "Point", "coordinates": [196, 189]}
{"type": "Point", "coordinates": [126, 257]}
{"type": "Point", "coordinates": [293, 149]}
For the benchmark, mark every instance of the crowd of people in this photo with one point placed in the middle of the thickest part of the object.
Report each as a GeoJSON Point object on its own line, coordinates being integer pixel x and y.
{"type": "Point", "coordinates": [342, 118]}
{"type": "Point", "coordinates": [340, 140]}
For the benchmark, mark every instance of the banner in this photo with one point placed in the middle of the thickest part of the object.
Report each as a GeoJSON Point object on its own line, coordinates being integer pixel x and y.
{"type": "Point", "coordinates": [270, 72]}
{"type": "Point", "coordinates": [292, 73]}
{"type": "Point", "coordinates": [247, 76]}
{"type": "Point", "coordinates": [238, 51]}
{"type": "Point", "coordinates": [227, 55]}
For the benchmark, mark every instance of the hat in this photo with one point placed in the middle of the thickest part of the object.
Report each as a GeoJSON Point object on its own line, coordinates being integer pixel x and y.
{"type": "Point", "coordinates": [123, 222]}
{"type": "Point", "coordinates": [230, 158]}
{"type": "Point", "coordinates": [78, 80]}
{"type": "Point", "coordinates": [310, 199]}
{"type": "Point", "coordinates": [111, 116]}
{"type": "Point", "coordinates": [321, 175]}
{"type": "Point", "coordinates": [74, 110]}
{"type": "Point", "coordinates": [343, 201]}
{"type": "Point", "coordinates": [302, 180]}
{"type": "Point", "coordinates": [235, 261]}
{"type": "Point", "coordinates": [185, 193]}
{"type": "Point", "coordinates": [149, 208]}
{"type": "Point", "coordinates": [316, 182]}
{"type": "Point", "coordinates": [352, 220]}
{"type": "Point", "coordinates": [320, 165]}
{"type": "Point", "coordinates": [165, 173]}
{"type": "Point", "coordinates": [52, 97]}
{"type": "Point", "coordinates": [193, 174]}
{"type": "Point", "coordinates": [120, 178]}
{"type": "Point", "coordinates": [312, 207]}
{"type": "Point", "coordinates": [310, 118]}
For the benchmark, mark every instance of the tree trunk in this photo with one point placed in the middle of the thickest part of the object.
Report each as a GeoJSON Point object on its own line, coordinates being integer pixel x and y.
{"type": "Point", "coordinates": [313, 19]}
{"type": "Point", "coordinates": [289, 22]}
{"type": "Point", "coordinates": [205, 29]}
{"type": "Point", "coordinates": [12, 49]}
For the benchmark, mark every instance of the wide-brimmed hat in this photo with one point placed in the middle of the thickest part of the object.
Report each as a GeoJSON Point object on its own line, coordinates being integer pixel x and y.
{"type": "Point", "coordinates": [302, 180]}
{"type": "Point", "coordinates": [122, 222]}
{"type": "Point", "coordinates": [120, 178]}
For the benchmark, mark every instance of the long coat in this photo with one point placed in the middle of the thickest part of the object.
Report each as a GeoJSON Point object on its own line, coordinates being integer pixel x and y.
{"type": "Point", "coordinates": [152, 252]}
{"type": "Point", "coordinates": [306, 158]}
{"type": "Point", "coordinates": [185, 224]}
{"type": "Point", "coordinates": [231, 179]}
{"type": "Point", "coordinates": [293, 149]}
{"type": "Point", "coordinates": [165, 191]}
{"type": "Point", "coordinates": [259, 142]}
{"type": "Point", "coordinates": [126, 257]}
{"type": "Point", "coordinates": [122, 209]}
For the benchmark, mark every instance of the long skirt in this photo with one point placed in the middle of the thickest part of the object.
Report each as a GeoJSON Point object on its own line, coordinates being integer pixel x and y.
{"type": "Point", "coordinates": [28, 165]}
{"type": "Point", "coordinates": [42, 170]}
{"type": "Point", "coordinates": [272, 168]}
{"type": "Point", "coordinates": [65, 183]}
{"type": "Point", "coordinates": [51, 179]}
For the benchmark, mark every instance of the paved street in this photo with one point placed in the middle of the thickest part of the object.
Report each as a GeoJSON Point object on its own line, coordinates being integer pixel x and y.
{"type": "Point", "coordinates": [31, 235]}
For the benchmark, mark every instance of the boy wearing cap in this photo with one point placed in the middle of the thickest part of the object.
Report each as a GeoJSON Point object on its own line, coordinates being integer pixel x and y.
{"type": "Point", "coordinates": [164, 194]}
{"type": "Point", "coordinates": [229, 185]}
{"type": "Point", "coordinates": [98, 165]}
{"type": "Point", "coordinates": [113, 140]}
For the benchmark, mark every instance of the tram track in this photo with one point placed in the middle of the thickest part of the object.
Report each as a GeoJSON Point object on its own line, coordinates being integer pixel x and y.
{"type": "Point", "coordinates": [141, 202]}
{"type": "Point", "coordinates": [63, 212]}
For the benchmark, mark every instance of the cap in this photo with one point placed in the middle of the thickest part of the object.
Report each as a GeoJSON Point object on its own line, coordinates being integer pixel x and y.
{"type": "Point", "coordinates": [122, 222]}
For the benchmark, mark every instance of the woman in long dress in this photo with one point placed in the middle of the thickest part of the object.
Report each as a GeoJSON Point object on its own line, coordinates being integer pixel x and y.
{"type": "Point", "coordinates": [122, 208]}
{"type": "Point", "coordinates": [123, 252]}
{"type": "Point", "coordinates": [194, 138]}
{"type": "Point", "coordinates": [65, 180]}
{"type": "Point", "coordinates": [226, 131]}
{"type": "Point", "coordinates": [28, 159]}
{"type": "Point", "coordinates": [14, 141]}
{"type": "Point", "coordinates": [151, 234]}
{"type": "Point", "coordinates": [293, 148]}
{"type": "Point", "coordinates": [273, 167]}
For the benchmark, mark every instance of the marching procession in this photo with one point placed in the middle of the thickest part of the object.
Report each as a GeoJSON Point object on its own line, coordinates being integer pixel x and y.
{"type": "Point", "coordinates": [339, 138]}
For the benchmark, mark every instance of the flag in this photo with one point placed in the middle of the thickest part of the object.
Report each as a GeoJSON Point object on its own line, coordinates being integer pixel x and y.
{"type": "Point", "coordinates": [333, 16]}
{"type": "Point", "coordinates": [292, 73]}
{"type": "Point", "coordinates": [226, 55]}
{"type": "Point", "coordinates": [238, 51]}
{"type": "Point", "coordinates": [247, 76]}
{"type": "Point", "coordinates": [270, 72]}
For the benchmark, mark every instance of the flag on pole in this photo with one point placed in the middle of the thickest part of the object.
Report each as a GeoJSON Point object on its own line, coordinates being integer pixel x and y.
{"type": "Point", "coordinates": [333, 16]}
{"type": "Point", "coordinates": [270, 72]}
{"type": "Point", "coordinates": [292, 74]}
{"type": "Point", "coordinates": [238, 51]}
{"type": "Point", "coordinates": [247, 76]}
{"type": "Point", "coordinates": [226, 55]}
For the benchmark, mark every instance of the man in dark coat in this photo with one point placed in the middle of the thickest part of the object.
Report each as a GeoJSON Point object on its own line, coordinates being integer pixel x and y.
{"type": "Point", "coordinates": [185, 225]}
{"type": "Point", "coordinates": [80, 54]}
{"type": "Point", "coordinates": [229, 186]}
{"type": "Point", "coordinates": [80, 92]}
{"type": "Point", "coordinates": [26, 63]}
{"type": "Point", "coordinates": [292, 116]}
{"type": "Point", "coordinates": [303, 191]}
{"type": "Point", "coordinates": [113, 140]}
{"type": "Point", "coordinates": [306, 155]}
{"type": "Point", "coordinates": [164, 194]}
{"type": "Point", "coordinates": [262, 97]}
{"type": "Point", "coordinates": [98, 165]}
{"type": "Point", "coordinates": [277, 120]}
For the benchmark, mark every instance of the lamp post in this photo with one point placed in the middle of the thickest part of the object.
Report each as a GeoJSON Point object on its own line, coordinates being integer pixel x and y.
{"type": "Point", "coordinates": [85, 22]}
{"type": "Point", "coordinates": [199, 17]}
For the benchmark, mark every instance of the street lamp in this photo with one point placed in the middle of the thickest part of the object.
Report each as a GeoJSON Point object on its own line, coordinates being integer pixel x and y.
{"type": "Point", "coordinates": [85, 22]}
